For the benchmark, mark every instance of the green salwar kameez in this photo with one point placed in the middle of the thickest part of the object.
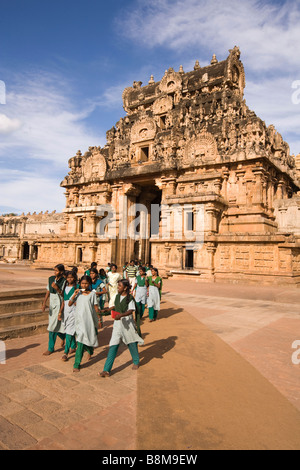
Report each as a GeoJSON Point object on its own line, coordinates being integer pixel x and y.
{"type": "Point", "coordinates": [55, 326]}
{"type": "Point", "coordinates": [124, 330]}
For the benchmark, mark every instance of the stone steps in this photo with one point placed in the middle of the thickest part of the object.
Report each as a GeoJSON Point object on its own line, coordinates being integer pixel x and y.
{"type": "Point", "coordinates": [23, 330]}
{"type": "Point", "coordinates": [19, 306]}
{"type": "Point", "coordinates": [21, 313]}
{"type": "Point", "coordinates": [22, 318]}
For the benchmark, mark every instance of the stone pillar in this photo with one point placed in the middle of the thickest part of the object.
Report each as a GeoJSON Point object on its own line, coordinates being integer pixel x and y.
{"type": "Point", "coordinates": [211, 250]}
{"type": "Point", "coordinates": [180, 256]}
{"type": "Point", "coordinates": [241, 196]}
{"type": "Point", "coordinates": [212, 218]}
{"type": "Point", "coordinates": [225, 183]}
{"type": "Point", "coordinates": [30, 251]}
{"type": "Point", "coordinates": [93, 250]}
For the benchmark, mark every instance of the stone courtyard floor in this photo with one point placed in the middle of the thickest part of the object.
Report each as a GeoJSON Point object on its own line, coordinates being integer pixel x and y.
{"type": "Point", "coordinates": [216, 372]}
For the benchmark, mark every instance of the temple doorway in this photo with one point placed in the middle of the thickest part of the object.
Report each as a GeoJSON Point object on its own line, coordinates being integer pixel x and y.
{"type": "Point", "coordinates": [143, 204]}
{"type": "Point", "coordinates": [25, 255]}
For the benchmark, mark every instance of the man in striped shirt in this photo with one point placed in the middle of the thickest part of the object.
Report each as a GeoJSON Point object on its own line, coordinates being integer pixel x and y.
{"type": "Point", "coordinates": [131, 272]}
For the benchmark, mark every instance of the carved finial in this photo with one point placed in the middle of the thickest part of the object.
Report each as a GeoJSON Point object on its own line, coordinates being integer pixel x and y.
{"type": "Point", "coordinates": [79, 154]}
{"type": "Point", "coordinates": [151, 81]}
{"type": "Point", "coordinates": [214, 60]}
{"type": "Point", "coordinates": [137, 84]}
{"type": "Point", "coordinates": [197, 65]}
{"type": "Point", "coordinates": [181, 69]}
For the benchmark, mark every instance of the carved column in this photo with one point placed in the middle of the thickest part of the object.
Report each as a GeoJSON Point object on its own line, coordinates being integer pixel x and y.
{"type": "Point", "coordinates": [241, 197]}
{"type": "Point", "coordinates": [30, 251]}
{"type": "Point", "coordinates": [212, 218]}
{"type": "Point", "coordinates": [211, 249]}
{"type": "Point", "coordinates": [180, 256]}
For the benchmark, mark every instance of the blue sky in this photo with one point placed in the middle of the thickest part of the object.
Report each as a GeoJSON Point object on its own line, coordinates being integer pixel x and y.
{"type": "Point", "coordinates": [65, 64]}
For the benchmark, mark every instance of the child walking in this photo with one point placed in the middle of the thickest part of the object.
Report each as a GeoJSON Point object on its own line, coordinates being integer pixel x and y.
{"type": "Point", "coordinates": [124, 328]}
{"type": "Point", "coordinates": [103, 278]}
{"type": "Point", "coordinates": [99, 287]}
{"type": "Point", "coordinates": [86, 320]}
{"type": "Point", "coordinates": [154, 295]}
{"type": "Point", "coordinates": [67, 314]}
{"type": "Point", "coordinates": [141, 285]}
{"type": "Point", "coordinates": [55, 289]}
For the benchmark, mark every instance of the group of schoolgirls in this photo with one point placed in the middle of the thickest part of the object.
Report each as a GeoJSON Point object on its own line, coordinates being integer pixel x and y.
{"type": "Point", "coordinates": [76, 311]}
{"type": "Point", "coordinates": [147, 290]}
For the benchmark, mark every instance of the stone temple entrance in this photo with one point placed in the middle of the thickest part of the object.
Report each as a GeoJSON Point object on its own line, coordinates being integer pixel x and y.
{"type": "Point", "coordinates": [139, 221]}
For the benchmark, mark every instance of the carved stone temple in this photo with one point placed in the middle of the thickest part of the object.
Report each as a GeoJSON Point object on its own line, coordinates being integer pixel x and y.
{"type": "Point", "coordinates": [187, 141]}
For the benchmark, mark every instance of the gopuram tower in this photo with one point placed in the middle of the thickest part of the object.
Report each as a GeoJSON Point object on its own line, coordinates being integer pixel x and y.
{"type": "Point", "coordinates": [190, 144]}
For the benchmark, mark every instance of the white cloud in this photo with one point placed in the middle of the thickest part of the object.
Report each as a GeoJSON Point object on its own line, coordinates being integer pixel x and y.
{"type": "Point", "coordinates": [40, 131]}
{"type": "Point", "coordinates": [52, 127]}
{"type": "Point", "coordinates": [8, 125]}
{"type": "Point", "coordinates": [26, 192]}
{"type": "Point", "coordinates": [272, 101]}
{"type": "Point", "coordinates": [267, 33]}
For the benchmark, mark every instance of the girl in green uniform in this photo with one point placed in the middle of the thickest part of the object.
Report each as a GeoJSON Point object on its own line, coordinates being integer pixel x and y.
{"type": "Point", "coordinates": [124, 328]}
{"type": "Point", "coordinates": [154, 294]}
{"type": "Point", "coordinates": [86, 320]}
{"type": "Point", "coordinates": [67, 314]}
{"type": "Point", "coordinates": [55, 289]}
{"type": "Point", "coordinates": [88, 271]}
{"type": "Point", "coordinates": [141, 284]}
{"type": "Point", "coordinates": [99, 287]}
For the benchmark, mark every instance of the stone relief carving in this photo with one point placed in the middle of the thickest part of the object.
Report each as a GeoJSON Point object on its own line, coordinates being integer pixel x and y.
{"type": "Point", "coordinates": [171, 82]}
{"type": "Point", "coordinates": [163, 105]}
{"type": "Point", "coordinates": [200, 150]}
{"type": "Point", "coordinates": [143, 130]}
{"type": "Point", "coordinates": [95, 167]}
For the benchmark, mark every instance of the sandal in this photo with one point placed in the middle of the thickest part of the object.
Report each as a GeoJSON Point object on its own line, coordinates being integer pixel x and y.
{"type": "Point", "coordinates": [47, 353]}
{"type": "Point", "coordinates": [104, 374]}
{"type": "Point", "coordinates": [64, 358]}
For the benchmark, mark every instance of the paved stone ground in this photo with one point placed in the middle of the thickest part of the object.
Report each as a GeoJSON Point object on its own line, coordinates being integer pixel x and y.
{"type": "Point", "coordinates": [14, 277]}
{"type": "Point", "coordinates": [216, 372]}
{"type": "Point", "coordinates": [260, 323]}
{"type": "Point", "coordinates": [44, 405]}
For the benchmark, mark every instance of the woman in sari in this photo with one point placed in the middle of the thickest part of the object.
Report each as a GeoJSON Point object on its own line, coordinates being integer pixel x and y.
{"type": "Point", "coordinates": [113, 277]}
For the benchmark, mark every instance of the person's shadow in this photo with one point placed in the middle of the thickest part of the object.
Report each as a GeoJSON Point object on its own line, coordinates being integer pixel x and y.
{"type": "Point", "coordinates": [164, 313]}
{"type": "Point", "coordinates": [155, 350]}
{"type": "Point", "coordinates": [11, 353]}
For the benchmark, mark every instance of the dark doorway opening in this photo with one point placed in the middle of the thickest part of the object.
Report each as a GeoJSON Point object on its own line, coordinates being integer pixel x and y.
{"type": "Point", "coordinates": [25, 251]}
{"type": "Point", "coordinates": [79, 255]}
{"type": "Point", "coordinates": [189, 259]}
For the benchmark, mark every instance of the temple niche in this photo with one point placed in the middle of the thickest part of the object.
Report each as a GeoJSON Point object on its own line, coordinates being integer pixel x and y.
{"type": "Point", "coordinates": [225, 182]}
